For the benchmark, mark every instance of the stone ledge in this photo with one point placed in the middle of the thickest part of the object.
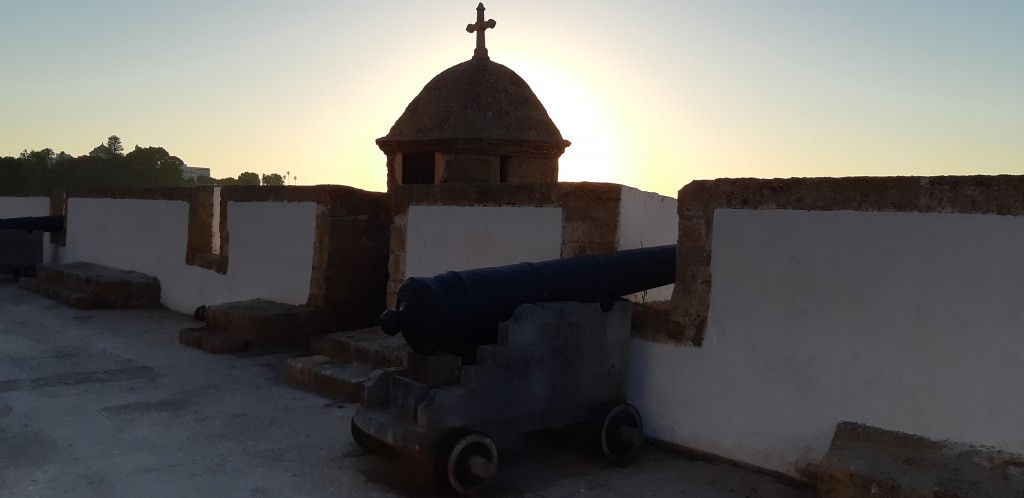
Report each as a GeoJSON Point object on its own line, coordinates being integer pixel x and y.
{"type": "Point", "coordinates": [651, 321]}
{"type": "Point", "coordinates": [267, 323]}
{"type": "Point", "coordinates": [87, 285]}
{"type": "Point", "coordinates": [869, 461]}
{"type": "Point", "coordinates": [370, 346]}
{"type": "Point", "coordinates": [257, 323]}
{"type": "Point", "coordinates": [212, 342]}
{"type": "Point", "coordinates": [323, 375]}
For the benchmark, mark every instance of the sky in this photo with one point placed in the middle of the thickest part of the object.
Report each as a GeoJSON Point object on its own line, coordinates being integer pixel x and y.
{"type": "Point", "coordinates": [652, 94]}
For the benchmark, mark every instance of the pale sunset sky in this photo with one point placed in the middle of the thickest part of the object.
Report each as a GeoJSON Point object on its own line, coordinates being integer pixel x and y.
{"type": "Point", "coordinates": [652, 94]}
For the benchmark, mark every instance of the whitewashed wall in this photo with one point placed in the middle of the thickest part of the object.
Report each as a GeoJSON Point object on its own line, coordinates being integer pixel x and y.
{"type": "Point", "coordinates": [647, 219]}
{"type": "Point", "coordinates": [906, 321]}
{"type": "Point", "coordinates": [21, 207]}
{"type": "Point", "coordinates": [444, 238]}
{"type": "Point", "coordinates": [270, 251]}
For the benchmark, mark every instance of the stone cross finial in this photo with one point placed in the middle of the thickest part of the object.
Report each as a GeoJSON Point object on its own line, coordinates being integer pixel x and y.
{"type": "Point", "coordinates": [478, 28]}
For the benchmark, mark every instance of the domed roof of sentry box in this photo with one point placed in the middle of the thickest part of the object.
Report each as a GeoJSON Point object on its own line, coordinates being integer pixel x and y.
{"type": "Point", "coordinates": [478, 106]}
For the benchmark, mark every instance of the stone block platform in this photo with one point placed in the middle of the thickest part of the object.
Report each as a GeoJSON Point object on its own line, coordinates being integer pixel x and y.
{"type": "Point", "coordinates": [868, 461]}
{"type": "Point", "coordinates": [345, 360]}
{"type": "Point", "coordinates": [257, 323]}
{"type": "Point", "coordinates": [87, 285]}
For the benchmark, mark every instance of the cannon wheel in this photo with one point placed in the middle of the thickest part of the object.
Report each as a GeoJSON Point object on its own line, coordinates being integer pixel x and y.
{"type": "Point", "coordinates": [366, 441]}
{"type": "Point", "coordinates": [621, 431]}
{"type": "Point", "coordinates": [465, 461]}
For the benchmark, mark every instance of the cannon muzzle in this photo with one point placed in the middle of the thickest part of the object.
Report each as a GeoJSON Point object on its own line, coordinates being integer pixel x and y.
{"type": "Point", "coordinates": [33, 223]}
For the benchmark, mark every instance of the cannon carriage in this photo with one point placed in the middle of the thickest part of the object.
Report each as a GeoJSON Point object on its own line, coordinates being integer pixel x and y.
{"type": "Point", "coordinates": [501, 351]}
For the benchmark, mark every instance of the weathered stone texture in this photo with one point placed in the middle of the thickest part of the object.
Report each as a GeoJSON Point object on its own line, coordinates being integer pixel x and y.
{"type": "Point", "coordinates": [86, 285]}
{"type": "Point", "coordinates": [351, 258]}
{"type": "Point", "coordinates": [262, 323]}
{"type": "Point", "coordinates": [324, 375]}
{"type": "Point", "coordinates": [346, 360]}
{"type": "Point", "coordinates": [468, 168]}
{"type": "Point", "coordinates": [517, 169]}
{"type": "Point", "coordinates": [59, 207]}
{"type": "Point", "coordinates": [212, 341]}
{"type": "Point", "coordinates": [200, 251]}
{"type": "Point", "coordinates": [869, 461]}
{"type": "Point", "coordinates": [369, 346]}
{"type": "Point", "coordinates": [651, 320]}
{"type": "Point", "coordinates": [396, 257]}
{"type": "Point", "coordinates": [590, 220]}
{"type": "Point", "coordinates": [149, 193]}
{"type": "Point", "coordinates": [478, 104]}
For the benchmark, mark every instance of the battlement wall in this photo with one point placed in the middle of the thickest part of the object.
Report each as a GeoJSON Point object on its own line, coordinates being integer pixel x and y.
{"type": "Point", "coordinates": [802, 303]}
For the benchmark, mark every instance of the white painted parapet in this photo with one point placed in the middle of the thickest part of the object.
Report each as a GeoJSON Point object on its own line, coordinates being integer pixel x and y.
{"type": "Point", "coordinates": [647, 219]}
{"type": "Point", "coordinates": [459, 227]}
{"type": "Point", "coordinates": [271, 248]}
{"type": "Point", "coordinates": [908, 319]}
{"type": "Point", "coordinates": [446, 238]}
{"type": "Point", "coordinates": [20, 207]}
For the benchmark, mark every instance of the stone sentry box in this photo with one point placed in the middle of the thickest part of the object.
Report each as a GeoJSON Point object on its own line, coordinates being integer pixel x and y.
{"type": "Point", "coordinates": [476, 122]}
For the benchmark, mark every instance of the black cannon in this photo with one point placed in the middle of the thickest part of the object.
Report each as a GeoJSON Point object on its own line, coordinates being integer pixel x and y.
{"type": "Point", "coordinates": [33, 223]}
{"type": "Point", "coordinates": [459, 310]}
{"type": "Point", "coordinates": [21, 243]}
{"type": "Point", "coordinates": [561, 358]}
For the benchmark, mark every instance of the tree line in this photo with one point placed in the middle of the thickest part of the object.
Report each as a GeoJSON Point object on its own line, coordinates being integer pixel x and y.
{"type": "Point", "coordinates": [107, 166]}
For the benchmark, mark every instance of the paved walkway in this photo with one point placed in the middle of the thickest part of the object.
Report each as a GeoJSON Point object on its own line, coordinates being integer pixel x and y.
{"type": "Point", "coordinates": [108, 403]}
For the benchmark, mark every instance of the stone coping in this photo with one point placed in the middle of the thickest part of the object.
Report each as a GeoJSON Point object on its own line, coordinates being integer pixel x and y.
{"type": "Point", "coordinates": [233, 193]}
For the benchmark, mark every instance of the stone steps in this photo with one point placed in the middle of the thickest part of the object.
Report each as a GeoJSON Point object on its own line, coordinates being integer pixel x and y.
{"type": "Point", "coordinates": [345, 360]}
{"type": "Point", "coordinates": [319, 373]}
{"type": "Point", "coordinates": [87, 285]}
{"type": "Point", "coordinates": [212, 341]}
{"type": "Point", "coordinates": [370, 346]}
{"type": "Point", "coordinates": [258, 323]}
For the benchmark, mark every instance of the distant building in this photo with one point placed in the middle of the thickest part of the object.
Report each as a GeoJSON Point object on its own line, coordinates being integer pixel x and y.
{"type": "Point", "coordinates": [101, 151]}
{"type": "Point", "coordinates": [189, 172]}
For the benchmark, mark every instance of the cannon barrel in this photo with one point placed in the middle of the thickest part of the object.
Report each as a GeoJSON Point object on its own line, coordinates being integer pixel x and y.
{"type": "Point", "coordinates": [459, 310]}
{"type": "Point", "coordinates": [32, 223]}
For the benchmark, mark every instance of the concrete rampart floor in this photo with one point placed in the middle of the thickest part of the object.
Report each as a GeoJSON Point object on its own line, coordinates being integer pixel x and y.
{"type": "Point", "coordinates": [109, 403]}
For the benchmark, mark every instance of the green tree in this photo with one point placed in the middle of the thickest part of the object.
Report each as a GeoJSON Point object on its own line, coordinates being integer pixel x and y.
{"type": "Point", "coordinates": [114, 144]}
{"type": "Point", "coordinates": [248, 178]}
{"type": "Point", "coordinates": [273, 179]}
{"type": "Point", "coordinates": [154, 167]}
{"type": "Point", "coordinates": [170, 172]}
{"type": "Point", "coordinates": [41, 157]}
{"type": "Point", "coordinates": [21, 175]}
